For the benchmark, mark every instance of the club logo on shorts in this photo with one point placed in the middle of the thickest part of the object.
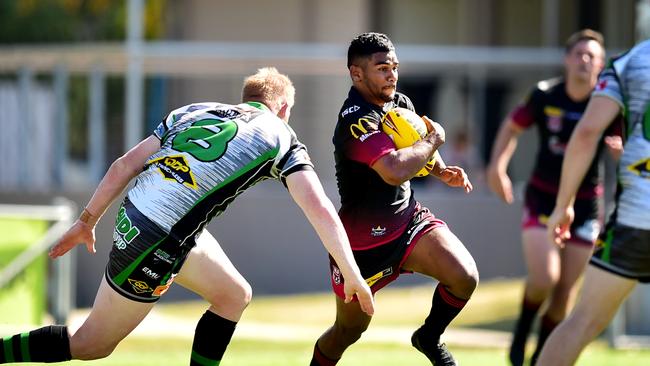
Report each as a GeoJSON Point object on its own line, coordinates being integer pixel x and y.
{"type": "Point", "coordinates": [378, 231]}
{"type": "Point", "coordinates": [336, 275]}
{"type": "Point", "coordinates": [140, 287]}
{"type": "Point", "coordinates": [124, 232]}
{"type": "Point", "coordinates": [175, 168]}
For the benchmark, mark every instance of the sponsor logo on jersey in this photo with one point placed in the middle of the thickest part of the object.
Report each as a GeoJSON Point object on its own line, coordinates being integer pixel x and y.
{"type": "Point", "coordinates": [359, 130]}
{"type": "Point", "coordinates": [373, 279]}
{"type": "Point", "coordinates": [554, 117]}
{"type": "Point", "coordinates": [175, 168]}
{"type": "Point", "coordinates": [125, 231]}
{"type": "Point", "coordinates": [150, 273]}
{"type": "Point", "coordinates": [352, 109]}
{"type": "Point", "coordinates": [641, 168]}
{"type": "Point", "coordinates": [225, 113]}
{"type": "Point", "coordinates": [378, 231]}
{"type": "Point", "coordinates": [336, 275]}
{"type": "Point", "coordinates": [140, 287]}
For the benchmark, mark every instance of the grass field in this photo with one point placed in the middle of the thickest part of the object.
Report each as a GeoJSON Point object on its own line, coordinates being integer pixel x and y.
{"type": "Point", "coordinates": [280, 331]}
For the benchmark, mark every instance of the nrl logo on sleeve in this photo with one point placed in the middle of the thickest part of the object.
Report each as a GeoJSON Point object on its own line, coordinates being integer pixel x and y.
{"type": "Point", "coordinates": [175, 168]}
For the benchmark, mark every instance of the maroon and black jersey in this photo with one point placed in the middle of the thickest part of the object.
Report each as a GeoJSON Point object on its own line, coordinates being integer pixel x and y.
{"type": "Point", "coordinates": [555, 115]}
{"type": "Point", "coordinates": [372, 211]}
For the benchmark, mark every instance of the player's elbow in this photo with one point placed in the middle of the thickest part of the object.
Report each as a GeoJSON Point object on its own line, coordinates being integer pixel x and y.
{"type": "Point", "coordinates": [392, 170]}
{"type": "Point", "coordinates": [122, 167]}
{"type": "Point", "coordinates": [586, 134]}
{"type": "Point", "coordinates": [396, 177]}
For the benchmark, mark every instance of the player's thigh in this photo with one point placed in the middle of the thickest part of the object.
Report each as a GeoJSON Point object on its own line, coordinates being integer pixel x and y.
{"type": "Point", "coordinates": [208, 272]}
{"type": "Point", "coordinates": [573, 260]}
{"type": "Point", "coordinates": [602, 294]}
{"type": "Point", "coordinates": [541, 256]}
{"type": "Point", "coordinates": [441, 255]}
{"type": "Point", "coordinates": [350, 316]}
{"type": "Point", "coordinates": [112, 318]}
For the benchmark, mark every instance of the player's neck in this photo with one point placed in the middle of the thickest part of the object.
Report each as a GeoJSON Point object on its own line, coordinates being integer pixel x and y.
{"type": "Point", "coordinates": [578, 90]}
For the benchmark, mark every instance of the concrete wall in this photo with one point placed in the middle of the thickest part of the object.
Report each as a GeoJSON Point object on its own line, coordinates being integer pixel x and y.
{"type": "Point", "coordinates": [274, 247]}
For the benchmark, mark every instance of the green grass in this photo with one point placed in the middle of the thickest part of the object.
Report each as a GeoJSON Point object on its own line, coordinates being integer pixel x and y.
{"type": "Point", "coordinates": [23, 299]}
{"type": "Point", "coordinates": [494, 306]}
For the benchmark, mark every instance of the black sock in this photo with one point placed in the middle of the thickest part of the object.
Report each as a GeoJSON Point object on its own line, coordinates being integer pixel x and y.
{"type": "Point", "coordinates": [211, 338]}
{"type": "Point", "coordinates": [47, 344]}
{"type": "Point", "coordinates": [546, 327]}
{"type": "Point", "coordinates": [522, 329]}
{"type": "Point", "coordinates": [444, 308]}
{"type": "Point", "coordinates": [319, 359]}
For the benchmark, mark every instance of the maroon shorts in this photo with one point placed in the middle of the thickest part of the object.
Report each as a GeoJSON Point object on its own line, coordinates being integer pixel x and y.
{"type": "Point", "coordinates": [585, 228]}
{"type": "Point", "coordinates": [382, 265]}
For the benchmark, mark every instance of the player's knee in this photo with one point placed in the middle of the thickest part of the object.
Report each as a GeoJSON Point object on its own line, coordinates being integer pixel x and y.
{"type": "Point", "coordinates": [349, 333]}
{"type": "Point", "coordinates": [467, 279]}
{"type": "Point", "coordinates": [236, 297]}
{"type": "Point", "coordinates": [91, 350]}
{"type": "Point", "coordinates": [542, 284]}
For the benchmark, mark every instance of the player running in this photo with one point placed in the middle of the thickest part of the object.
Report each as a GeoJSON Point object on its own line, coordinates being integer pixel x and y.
{"type": "Point", "coordinates": [623, 259]}
{"type": "Point", "coordinates": [199, 159]}
{"type": "Point", "coordinates": [390, 232]}
{"type": "Point", "coordinates": [553, 108]}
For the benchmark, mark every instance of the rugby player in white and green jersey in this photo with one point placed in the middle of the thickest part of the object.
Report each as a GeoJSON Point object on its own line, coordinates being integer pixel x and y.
{"type": "Point", "coordinates": [622, 259]}
{"type": "Point", "coordinates": [197, 161]}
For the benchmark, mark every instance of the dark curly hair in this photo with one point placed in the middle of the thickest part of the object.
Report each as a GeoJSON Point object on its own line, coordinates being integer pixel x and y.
{"type": "Point", "coordinates": [366, 44]}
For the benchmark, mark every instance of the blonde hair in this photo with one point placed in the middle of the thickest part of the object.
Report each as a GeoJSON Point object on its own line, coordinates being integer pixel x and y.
{"type": "Point", "coordinates": [270, 87]}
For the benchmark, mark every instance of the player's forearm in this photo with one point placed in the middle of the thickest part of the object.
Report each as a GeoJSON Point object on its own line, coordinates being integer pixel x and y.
{"type": "Point", "coordinates": [308, 193]}
{"type": "Point", "coordinates": [578, 156]}
{"type": "Point", "coordinates": [504, 147]}
{"type": "Point", "coordinates": [112, 185]}
{"type": "Point", "coordinates": [330, 230]}
{"type": "Point", "coordinates": [403, 164]}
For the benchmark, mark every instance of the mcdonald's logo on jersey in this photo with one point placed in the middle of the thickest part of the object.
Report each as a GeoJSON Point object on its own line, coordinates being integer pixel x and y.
{"type": "Point", "coordinates": [360, 129]}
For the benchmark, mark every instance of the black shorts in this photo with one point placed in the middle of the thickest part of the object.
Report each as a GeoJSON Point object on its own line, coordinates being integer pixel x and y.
{"type": "Point", "coordinates": [624, 251]}
{"type": "Point", "coordinates": [382, 265]}
{"type": "Point", "coordinates": [144, 259]}
{"type": "Point", "coordinates": [538, 206]}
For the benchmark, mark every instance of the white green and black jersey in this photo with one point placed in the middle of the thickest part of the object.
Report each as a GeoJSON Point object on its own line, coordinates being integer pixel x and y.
{"type": "Point", "coordinates": [626, 80]}
{"type": "Point", "coordinates": [210, 153]}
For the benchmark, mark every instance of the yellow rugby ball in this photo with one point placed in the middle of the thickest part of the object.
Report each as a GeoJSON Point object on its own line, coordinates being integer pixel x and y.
{"type": "Point", "coordinates": [405, 128]}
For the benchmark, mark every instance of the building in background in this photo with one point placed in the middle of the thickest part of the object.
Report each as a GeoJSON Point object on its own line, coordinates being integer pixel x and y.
{"type": "Point", "coordinates": [464, 63]}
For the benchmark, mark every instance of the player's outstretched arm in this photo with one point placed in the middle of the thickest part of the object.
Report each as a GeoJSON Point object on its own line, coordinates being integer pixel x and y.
{"type": "Point", "coordinates": [308, 193]}
{"type": "Point", "coordinates": [502, 150]}
{"type": "Point", "coordinates": [579, 154]}
{"type": "Point", "coordinates": [116, 179]}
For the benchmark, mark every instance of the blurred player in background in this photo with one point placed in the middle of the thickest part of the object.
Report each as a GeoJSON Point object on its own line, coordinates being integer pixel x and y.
{"type": "Point", "coordinates": [553, 107]}
{"type": "Point", "coordinates": [199, 159]}
{"type": "Point", "coordinates": [389, 231]}
{"type": "Point", "coordinates": [623, 257]}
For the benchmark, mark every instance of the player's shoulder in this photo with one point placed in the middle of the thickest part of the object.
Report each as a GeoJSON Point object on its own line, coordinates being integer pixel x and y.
{"type": "Point", "coordinates": [549, 86]}
{"type": "Point", "coordinates": [354, 109]}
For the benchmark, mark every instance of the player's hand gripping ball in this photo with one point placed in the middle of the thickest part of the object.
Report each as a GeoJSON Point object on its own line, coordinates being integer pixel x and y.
{"type": "Point", "coordinates": [405, 128]}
